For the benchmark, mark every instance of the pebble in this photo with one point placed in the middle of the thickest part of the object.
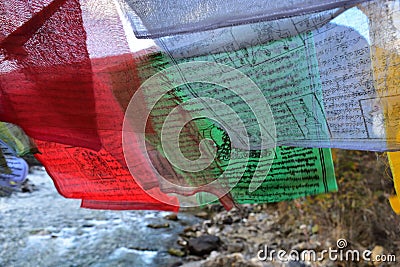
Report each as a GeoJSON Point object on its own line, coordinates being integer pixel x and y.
{"type": "Point", "coordinates": [202, 215]}
{"type": "Point", "coordinates": [235, 247]}
{"type": "Point", "coordinates": [157, 226]}
{"type": "Point", "coordinates": [203, 245]}
{"type": "Point", "coordinates": [181, 242]}
{"type": "Point", "coordinates": [176, 252]}
{"type": "Point", "coordinates": [234, 259]}
{"type": "Point", "coordinates": [172, 217]}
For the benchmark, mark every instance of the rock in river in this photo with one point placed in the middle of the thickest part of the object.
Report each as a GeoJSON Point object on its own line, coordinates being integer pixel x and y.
{"type": "Point", "coordinates": [203, 245]}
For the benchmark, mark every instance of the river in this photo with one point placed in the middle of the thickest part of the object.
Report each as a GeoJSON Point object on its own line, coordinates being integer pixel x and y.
{"type": "Point", "coordinates": [43, 228]}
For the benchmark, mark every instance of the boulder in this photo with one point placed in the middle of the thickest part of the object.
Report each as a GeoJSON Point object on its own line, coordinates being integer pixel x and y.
{"type": "Point", "coordinates": [203, 245]}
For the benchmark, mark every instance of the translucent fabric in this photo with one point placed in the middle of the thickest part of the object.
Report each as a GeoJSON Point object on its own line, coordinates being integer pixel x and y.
{"type": "Point", "coordinates": [156, 18]}
{"type": "Point", "coordinates": [261, 91]}
{"type": "Point", "coordinates": [320, 84]}
{"type": "Point", "coordinates": [52, 89]}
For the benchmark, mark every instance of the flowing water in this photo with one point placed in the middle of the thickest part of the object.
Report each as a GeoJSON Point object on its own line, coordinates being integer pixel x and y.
{"type": "Point", "coordinates": [44, 229]}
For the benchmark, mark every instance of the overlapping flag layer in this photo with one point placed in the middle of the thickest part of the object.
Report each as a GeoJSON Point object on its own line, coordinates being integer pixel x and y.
{"type": "Point", "coordinates": [232, 101]}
